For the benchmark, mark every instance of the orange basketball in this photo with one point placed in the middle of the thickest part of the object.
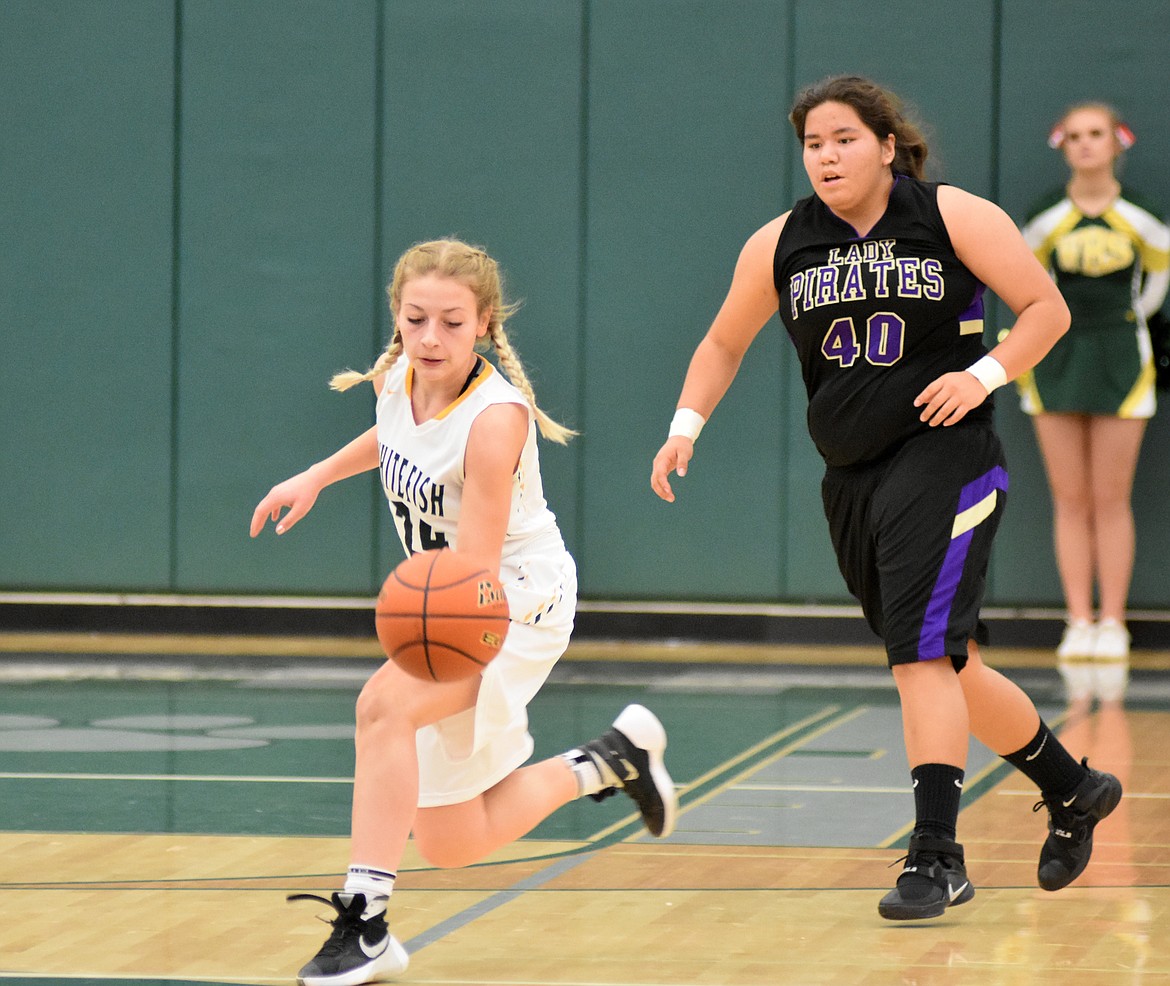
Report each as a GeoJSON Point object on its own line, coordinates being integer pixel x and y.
{"type": "Point", "coordinates": [441, 617]}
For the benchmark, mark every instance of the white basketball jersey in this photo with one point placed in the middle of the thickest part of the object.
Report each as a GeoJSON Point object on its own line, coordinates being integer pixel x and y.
{"type": "Point", "coordinates": [421, 469]}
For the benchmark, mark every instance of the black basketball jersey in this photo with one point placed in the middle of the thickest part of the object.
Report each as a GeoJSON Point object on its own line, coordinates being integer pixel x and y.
{"type": "Point", "coordinates": [875, 319]}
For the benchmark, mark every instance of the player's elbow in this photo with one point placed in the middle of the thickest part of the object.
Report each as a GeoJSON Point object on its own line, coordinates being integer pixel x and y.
{"type": "Point", "coordinates": [1049, 313]}
{"type": "Point", "coordinates": [1062, 317]}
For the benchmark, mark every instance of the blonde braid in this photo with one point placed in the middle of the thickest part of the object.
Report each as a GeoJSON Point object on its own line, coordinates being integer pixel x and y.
{"type": "Point", "coordinates": [351, 378]}
{"type": "Point", "coordinates": [475, 268]}
{"type": "Point", "coordinates": [511, 365]}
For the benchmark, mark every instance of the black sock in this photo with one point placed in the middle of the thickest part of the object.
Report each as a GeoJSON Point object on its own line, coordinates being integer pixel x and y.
{"type": "Point", "coordinates": [937, 790]}
{"type": "Point", "coordinates": [1048, 764]}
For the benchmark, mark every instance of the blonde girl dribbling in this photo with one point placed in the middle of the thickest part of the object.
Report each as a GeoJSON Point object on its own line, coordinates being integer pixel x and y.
{"type": "Point", "coordinates": [455, 447]}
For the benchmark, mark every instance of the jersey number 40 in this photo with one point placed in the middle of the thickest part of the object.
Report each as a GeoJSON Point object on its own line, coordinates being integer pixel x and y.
{"type": "Point", "coordinates": [885, 335]}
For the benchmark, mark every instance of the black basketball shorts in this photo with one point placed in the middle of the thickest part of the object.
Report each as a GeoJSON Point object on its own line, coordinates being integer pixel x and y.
{"type": "Point", "coordinates": [913, 535]}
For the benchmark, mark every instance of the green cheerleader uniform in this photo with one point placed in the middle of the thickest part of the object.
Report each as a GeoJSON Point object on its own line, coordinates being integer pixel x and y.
{"type": "Point", "coordinates": [1112, 270]}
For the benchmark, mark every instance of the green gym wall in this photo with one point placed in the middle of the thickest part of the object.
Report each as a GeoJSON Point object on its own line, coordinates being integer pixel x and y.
{"type": "Point", "coordinates": [200, 202]}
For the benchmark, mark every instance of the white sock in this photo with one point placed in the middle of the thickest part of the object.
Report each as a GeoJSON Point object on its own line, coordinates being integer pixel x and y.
{"type": "Point", "coordinates": [374, 884]}
{"type": "Point", "coordinates": [592, 775]}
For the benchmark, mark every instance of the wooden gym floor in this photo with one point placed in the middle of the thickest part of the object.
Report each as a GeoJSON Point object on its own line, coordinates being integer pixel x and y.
{"type": "Point", "coordinates": [161, 796]}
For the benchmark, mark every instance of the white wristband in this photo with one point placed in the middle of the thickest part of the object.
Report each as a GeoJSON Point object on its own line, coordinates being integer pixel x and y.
{"type": "Point", "coordinates": [687, 423]}
{"type": "Point", "coordinates": [989, 372]}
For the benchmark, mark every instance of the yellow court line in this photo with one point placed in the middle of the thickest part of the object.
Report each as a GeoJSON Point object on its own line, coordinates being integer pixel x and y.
{"type": "Point", "coordinates": [128, 980]}
{"type": "Point", "coordinates": [62, 644]}
{"type": "Point", "coordinates": [721, 768]}
{"type": "Point", "coordinates": [214, 778]}
{"type": "Point", "coordinates": [821, 788]}
{"type": "Point", "coordinates": [751, 751]}
{"type": "Point", "coordinates": [784, 751]}
{"type": "Point", "coordinates": [1128, 795]}
{"type": "Point", "coordinates": [171, 644]}
{"type": "Point", "coordinates": [326, 647]}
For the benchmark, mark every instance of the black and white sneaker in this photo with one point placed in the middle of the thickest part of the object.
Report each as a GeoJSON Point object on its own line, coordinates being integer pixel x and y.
{"type": "Point", "coordinates": [1071, 821]}
{"type": "Point", "coordinates": [933, 879]}
{"type": "Point", "coordinates": [629, 758]}
{"type": "Point", "coordinates": [360, 950]}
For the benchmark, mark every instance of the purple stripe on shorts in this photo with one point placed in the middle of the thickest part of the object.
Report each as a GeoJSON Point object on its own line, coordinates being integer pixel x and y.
{"type": "Point", "coordinates": [933, 639]}
{"type": "Point", "coordinates": [975, 309]}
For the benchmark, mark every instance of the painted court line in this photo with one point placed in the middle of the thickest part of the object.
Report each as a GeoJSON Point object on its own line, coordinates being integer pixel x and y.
{"type": "Point", "coordinates": [735, 781]}
{"type": "Point", "coordinates": [129, 980]}
{"type": "Point", "coordinates": [499, 899]}
{"type": "Point", "coordinates": [565, 864]}
{"type": "Point", "coordinates": [191, 778]}
{"type": "Point", "coordinates": [1128, 795]}
{"type": "Point", "coordinates": [722, 769]}
{"type": "Point", "coordinates": [823, 788]}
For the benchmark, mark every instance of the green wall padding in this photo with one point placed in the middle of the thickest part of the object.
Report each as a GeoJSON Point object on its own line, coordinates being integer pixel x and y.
{"type": "Point", "coordinates": [202, 202]}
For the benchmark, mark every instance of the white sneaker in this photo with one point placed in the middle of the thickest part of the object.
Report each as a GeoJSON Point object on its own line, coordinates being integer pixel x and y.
{"type": "Point", "coordinates": [1111, 642]}
{"type": "Point", "coordinates": [1079, 640]}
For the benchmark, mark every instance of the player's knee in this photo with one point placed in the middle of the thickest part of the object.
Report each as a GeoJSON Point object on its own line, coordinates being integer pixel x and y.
{"type": "Point", "coordinates": [381, 705]}
{"type": "Point", "coordinates": [372, 705]}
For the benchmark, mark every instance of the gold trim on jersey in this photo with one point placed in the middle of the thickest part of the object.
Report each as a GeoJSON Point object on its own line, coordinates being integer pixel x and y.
{"type": "Point", "coordinates": [486, 370]}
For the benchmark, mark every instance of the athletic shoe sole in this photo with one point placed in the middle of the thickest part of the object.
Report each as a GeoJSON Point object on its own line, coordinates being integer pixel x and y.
{"type": "Point", "coordinates": [903, 911]}
{"type": "Point", "coordinates": [392, 962]}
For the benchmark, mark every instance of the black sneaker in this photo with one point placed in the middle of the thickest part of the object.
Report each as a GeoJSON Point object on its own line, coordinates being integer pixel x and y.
{"type": "Point", "coordinates": [360, 950]}
{"type": "Point", "coordinates": [633, 753]}
{"type": "Point", "coordinates": [1066, 851]}
{"type": "Point", "coordinates": [933, 879]}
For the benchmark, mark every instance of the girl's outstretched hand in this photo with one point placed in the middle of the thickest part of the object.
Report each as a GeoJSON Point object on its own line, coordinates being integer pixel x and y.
{"type": "Point", "coordinates": [298, 493]}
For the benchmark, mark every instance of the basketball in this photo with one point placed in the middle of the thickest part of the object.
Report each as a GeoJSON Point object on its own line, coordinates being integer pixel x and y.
{"type": "Point", "coordinates": [440, 617]}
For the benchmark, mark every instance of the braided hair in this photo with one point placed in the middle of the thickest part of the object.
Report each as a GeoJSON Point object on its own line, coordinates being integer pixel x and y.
{"type": "Point", "coordinates": [472, 267]}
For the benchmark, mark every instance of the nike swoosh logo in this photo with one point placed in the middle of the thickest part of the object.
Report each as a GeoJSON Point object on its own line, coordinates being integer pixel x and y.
{"type": "Point", "coordinates": [1069, 802]}
{"type": "Point", "coordinates": [955, 891]}
{"type": "Point", "coordinates": [1041, 747]}
{"type": "Point", "coordinates": [377, 950]}
{"type": "Point", "coordinates": [959, 785]}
